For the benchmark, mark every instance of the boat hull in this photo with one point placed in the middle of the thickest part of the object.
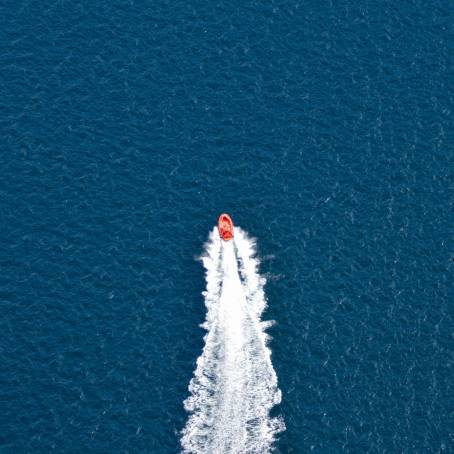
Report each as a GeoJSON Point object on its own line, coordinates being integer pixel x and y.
{"type": "Point", "coordinates": [225, 227]}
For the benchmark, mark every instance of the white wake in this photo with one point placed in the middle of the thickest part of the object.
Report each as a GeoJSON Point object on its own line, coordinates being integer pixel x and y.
{"type": "Point", "coordinates": [234, 385]}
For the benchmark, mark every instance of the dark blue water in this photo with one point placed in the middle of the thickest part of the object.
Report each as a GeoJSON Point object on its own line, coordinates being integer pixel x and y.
{"type": "Point", "coordinates": [326, 131]}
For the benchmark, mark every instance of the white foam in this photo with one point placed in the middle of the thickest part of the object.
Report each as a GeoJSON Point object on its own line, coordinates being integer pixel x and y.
{"type": "Point", "coordinates": [234, 385]}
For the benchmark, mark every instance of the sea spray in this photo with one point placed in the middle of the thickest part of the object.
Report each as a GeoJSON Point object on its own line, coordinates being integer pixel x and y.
{"type": "Point", "coordinates": [234, 385]}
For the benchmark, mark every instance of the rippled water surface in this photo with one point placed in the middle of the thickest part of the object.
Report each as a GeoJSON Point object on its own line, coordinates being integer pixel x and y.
{"type": "Point", "coordinates": [324, 128]}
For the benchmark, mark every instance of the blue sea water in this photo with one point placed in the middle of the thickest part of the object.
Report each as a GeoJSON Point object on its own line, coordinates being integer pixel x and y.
{"type": "Point", "coordinates": [324, 128]}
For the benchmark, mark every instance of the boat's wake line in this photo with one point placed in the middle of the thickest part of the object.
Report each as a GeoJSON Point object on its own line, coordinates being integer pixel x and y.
{"type": "Point", "coordinates": [234, 385]}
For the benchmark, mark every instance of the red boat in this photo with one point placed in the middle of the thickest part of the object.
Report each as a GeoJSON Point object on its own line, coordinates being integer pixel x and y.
{"type": "Point", "coordinates": [225, 227]}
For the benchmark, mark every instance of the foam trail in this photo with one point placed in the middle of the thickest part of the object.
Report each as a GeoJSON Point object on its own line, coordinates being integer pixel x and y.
{"type": "Point", "coordinates": [234, 385]}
